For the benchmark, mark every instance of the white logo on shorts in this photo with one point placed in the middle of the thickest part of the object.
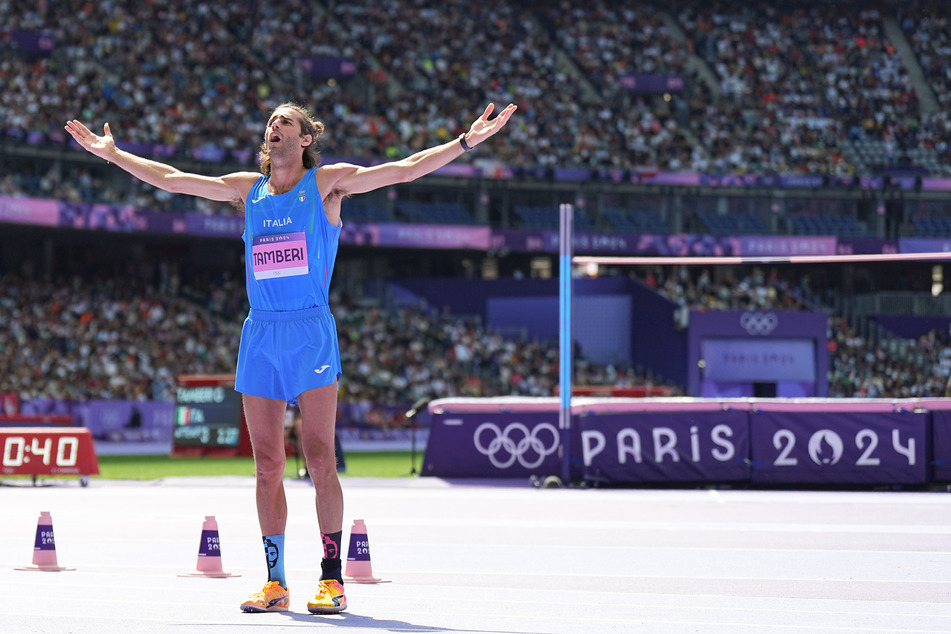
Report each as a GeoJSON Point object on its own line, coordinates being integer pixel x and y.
{"type": "Point", "coordinates": [321, 369]}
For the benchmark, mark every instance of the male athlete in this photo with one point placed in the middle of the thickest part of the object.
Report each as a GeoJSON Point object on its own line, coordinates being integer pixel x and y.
{"type": "Point", "coordinates": [289, 351]}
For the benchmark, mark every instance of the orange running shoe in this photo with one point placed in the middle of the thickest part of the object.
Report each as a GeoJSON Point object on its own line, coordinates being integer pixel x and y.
{"type": "Point", "coordinates": [272, 598]}
{"type": "Point", "coordinates": [329, 599]}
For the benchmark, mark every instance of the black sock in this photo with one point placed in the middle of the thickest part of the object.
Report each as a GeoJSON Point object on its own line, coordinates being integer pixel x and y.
{"type": "Point", "coordinates": [331, 569]}
{"type": "Point", "coordinates": [330, 565]}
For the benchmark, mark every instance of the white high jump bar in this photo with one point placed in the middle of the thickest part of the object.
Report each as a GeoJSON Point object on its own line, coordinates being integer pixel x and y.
{"type": "Point", "coordinates": [785, 259]}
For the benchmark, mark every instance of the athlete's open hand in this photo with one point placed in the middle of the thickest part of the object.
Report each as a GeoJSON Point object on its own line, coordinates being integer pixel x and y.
{"type": "Point", "coordinates": [482, 128]}
{"type": "Point", "coordinates": [102, 146]}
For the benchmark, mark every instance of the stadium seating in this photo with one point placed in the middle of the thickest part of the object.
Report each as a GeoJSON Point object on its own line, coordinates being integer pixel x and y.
{"type": "Point", "coordinates": [198, 89]}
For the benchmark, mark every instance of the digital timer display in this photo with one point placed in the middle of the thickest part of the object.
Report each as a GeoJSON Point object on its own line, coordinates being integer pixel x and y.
{"type": "Point", "coordinates": [207, 416]}
{"type": "Point", "coordinates": [18, 451]}
{"type": "Point", "coordinates": [49, 451]}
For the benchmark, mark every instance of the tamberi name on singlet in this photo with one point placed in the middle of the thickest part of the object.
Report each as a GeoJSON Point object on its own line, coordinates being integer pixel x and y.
{"type": "Point", "coordinates": [290, 247]}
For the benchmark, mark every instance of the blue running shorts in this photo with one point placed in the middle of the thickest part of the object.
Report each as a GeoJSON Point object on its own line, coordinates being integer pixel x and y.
{"type": "Point", "coordinates": [285, 353]}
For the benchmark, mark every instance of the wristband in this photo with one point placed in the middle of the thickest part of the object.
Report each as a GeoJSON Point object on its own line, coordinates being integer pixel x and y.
{"type": "Point", "coordinates": [465, 146]}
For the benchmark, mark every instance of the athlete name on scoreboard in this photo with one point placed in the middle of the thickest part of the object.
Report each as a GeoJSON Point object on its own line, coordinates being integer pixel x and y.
{"type": "Point", "coordinates": [205, 394]}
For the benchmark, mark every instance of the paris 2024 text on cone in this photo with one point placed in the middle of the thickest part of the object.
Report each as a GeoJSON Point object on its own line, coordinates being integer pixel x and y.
{"type": "Point", "coordinates": [209, 552]}
{"type": "Point", "coordinates": [44, 548]}
{"type": "Point", "coordinates": [358, 568]}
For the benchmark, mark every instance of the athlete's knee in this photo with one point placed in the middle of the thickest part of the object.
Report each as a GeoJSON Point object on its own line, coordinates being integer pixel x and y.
{"type": "Point", "coordinates": [269, 465]}
{"type": "Point", "coordinates": [320, 457]}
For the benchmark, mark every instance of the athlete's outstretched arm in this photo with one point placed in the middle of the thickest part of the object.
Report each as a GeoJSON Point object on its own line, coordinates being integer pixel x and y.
{"type": "Point", "coordinates": [232, 188]}
{"type": "Point", "coordinates": [353, 179]}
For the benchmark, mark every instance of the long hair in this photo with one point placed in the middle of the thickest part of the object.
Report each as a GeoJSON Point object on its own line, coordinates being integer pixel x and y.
{"type": "Point", "coordinates": [308, 125]}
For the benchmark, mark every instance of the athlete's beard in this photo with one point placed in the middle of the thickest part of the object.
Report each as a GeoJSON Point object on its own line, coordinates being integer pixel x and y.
{"type": "Point", "coordinates": [286, 153]}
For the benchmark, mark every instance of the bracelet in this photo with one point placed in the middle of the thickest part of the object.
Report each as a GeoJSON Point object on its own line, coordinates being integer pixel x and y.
{"type": "Point", "coordinates": [465, 146]}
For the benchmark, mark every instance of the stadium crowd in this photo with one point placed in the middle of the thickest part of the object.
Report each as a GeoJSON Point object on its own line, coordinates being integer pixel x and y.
{"type": "Point", "coordinates": [115, 339]}
{"type": "Point", "coordinates": [750, 290]}
{"type": "Point", "coordinates": [121, 338]}
{"type": "Point", "coordinates": [767, 88]}
{"type": "Point", "coordinates": [859, 368]}
{"type": "Point", "coordinates": [798, 82]}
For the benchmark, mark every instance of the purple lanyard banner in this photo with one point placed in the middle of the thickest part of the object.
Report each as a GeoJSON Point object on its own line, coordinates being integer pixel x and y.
{"type": "Point", "coordinates": [839, 448]}
{"type": "Point", "coordinates": [666, 447]}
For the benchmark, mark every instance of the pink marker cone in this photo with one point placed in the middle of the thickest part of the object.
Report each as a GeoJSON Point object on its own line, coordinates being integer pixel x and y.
{"type": "Point", "coordinates": [359, 569]}
{"type": "Point", "coordinates": [44, 548]}
{"type": "Point", "coordinates": [209, 552]}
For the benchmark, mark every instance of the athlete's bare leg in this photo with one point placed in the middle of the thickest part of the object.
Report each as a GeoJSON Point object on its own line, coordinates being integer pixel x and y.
{"type": "Point", "coordinates": [265, 419]}
{"type": "Point", "coordinates": [318, 408]}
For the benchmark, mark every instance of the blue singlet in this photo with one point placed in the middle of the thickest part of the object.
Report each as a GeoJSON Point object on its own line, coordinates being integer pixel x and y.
{"type": "Point", "coordinates": [289, 339]}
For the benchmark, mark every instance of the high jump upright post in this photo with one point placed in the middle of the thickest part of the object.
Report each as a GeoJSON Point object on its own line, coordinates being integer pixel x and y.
{"type": "Point", "coordinates": [565, 361]}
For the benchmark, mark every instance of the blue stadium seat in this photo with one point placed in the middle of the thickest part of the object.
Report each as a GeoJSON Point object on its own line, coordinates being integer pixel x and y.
{"type": "Point", "coordinates": [364, 211]}
{"type": "Point", "coordinates": [635, 221]}
{"type": "Point", "coordinates": [434, 213]}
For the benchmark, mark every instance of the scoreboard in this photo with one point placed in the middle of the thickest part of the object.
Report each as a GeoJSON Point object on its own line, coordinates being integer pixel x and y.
{"type": "Point", "coordinates": [207, 413]}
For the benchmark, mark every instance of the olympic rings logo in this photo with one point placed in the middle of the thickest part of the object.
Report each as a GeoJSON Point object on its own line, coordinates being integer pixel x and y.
{"type": "Point", "coordinates": [759, 323]}
{"type": "Point", "coordinates": [516, 442]}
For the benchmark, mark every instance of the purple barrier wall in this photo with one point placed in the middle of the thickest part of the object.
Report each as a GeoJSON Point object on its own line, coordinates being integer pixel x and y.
{"type": "Point", "coordinates": [839, 448]}
{"type": "Point", "coordinates": [641, 326]}
{"type": "Point", "coordinates": [924, 245]}
{"type": "Point", "coordinates": [941, 445]}
{"type": "Point", "coordinates": [656, 342]}
{"type": "Point", "coordinates": [759, 441]}
{"type": "Point", "coordinates": [128, 421]}
{"type": "Point", "coordinates": [537, 316]}
{"type": "Point", "coordinates": [39, 211]}
{"type": "Point", "coordinates": [602, 323]}
{"type": "Point", "coordinates": [665, 447]}
{"type": "Point", "coordinates": [849, 246]}
{"type": "Point", "coordinates": [31, 211]}
{"type": "Point", "coordinates": [912, 326]}
{"type": "Point", "coordinates": [784, 363]}
{"type": "Point", "coordinates": [493, 445]}
{"type": "Point", "coordinates": [146, 427]}
{"type": "Point", "coordinates": [133, 426]}
{"type": "Point", "coordinates": [788, 245]}
{"type": "Point", "coordinates": [470, 297]}
{"type": "Point", "coordinates": [602, 309]}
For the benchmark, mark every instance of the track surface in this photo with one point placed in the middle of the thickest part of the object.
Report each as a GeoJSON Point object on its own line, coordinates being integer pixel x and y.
{"type": "Point", "coordinates": [493, 557]}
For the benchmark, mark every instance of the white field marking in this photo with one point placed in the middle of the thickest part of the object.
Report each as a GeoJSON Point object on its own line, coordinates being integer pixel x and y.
{"type": "Point", "coordinates": [850, 580]}
{"type": "Point", "coordinates": [620, 525]}
{"type": "Point", "coordinates": [586, 618]}
{"type": "Point", "coordinates": [931, 554]}
{"type": "Point", "coordinates": [716, 496]}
